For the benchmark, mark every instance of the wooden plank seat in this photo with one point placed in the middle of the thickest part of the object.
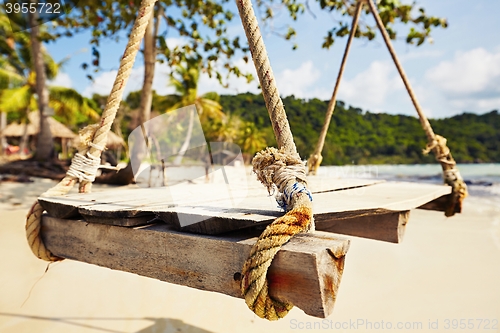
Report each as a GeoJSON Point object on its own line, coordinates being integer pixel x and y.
{"type": "Point", "coordinates": [357, 207]}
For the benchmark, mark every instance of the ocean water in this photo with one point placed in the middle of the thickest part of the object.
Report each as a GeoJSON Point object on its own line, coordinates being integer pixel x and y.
{"type": "Point", "coordinates": [482, 179]}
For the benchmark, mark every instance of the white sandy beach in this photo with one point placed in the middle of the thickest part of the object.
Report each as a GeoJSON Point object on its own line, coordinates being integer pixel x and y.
{"type": "Point", "coordinates": [445, 270]}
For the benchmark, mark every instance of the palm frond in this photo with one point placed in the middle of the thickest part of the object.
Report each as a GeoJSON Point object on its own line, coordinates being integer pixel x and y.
{"type": "Point", "coordinates": [15, 99]}
{"type": "Point", "coordinates": [9, 78]}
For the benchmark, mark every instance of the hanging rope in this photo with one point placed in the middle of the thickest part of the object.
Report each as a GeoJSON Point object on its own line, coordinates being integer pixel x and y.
{"type": "Point", "coordinates": [93, 138]}
{"type": "Point", "coordinates": [436, 143]}
{"type": "Point", "coordinates": [282, 169]}
{"type": "Point", "coordinates": [316, 158]}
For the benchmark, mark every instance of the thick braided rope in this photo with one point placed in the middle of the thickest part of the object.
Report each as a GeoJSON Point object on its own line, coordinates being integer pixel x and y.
{"type": "Point", "coordinates": [450, 173]}
{"type": "Point", "coordinates": [262, 64]}
{"type": "Point", "coordinates": [91, 151]}
{"type": "Point", "coordinates": [276, 168]}
{"type": "Point", "coordinates": [316, 158]}
{"type": "Point", "coordinates": [283, 168]}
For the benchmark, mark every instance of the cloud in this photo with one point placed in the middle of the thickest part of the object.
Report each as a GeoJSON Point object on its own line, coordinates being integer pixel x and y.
{"type": "Point", "coordinates": [471, 80]}
{"type": "Point", "coordinates": [371, 88]}
{"type": "Point", "coordinates": [104, 82]}
{"type": "Point", "coordinates": [61, 80]}
{"type": "Point", "coordinates": [298, 81]}
{"type": "Point", "coordinates": [235, 85]}
{"type": "Point", "coordinates": [421, 55]}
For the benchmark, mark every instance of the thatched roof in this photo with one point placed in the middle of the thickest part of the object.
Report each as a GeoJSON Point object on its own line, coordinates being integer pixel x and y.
{"type": "Point", "coordinates": [57, 129]}
{"type": "Point", "coordinates": [114, 141]}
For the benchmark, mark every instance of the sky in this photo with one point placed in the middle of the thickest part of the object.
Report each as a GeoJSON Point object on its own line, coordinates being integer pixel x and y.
{"type": "Point", "coordinates": [459, 71]}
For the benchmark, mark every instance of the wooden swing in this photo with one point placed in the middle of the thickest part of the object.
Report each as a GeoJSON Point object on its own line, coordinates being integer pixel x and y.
{"type": "Point", "coordinates": [139, 230]}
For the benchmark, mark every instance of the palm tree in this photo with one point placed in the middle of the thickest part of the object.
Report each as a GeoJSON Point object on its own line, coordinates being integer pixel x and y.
{"type": "Point", "coordinates": [19, 89]}
{"type": "Point", "coordinates": [45, 145]}
{"type": "Point", "coordinates": [185, 81]}
{"type": "Point", "coordinates": [251, 140]}
{"type": "Point", "coordinates": [185, 84]}
{"type": "Point", "coordinates": [8, 79]}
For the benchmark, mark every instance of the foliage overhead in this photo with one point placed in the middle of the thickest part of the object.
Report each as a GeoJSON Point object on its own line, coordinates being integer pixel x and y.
{"type": "Point", "coordinates": [203, 27]}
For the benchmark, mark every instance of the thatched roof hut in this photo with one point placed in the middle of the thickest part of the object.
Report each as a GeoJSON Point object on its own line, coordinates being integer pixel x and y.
{"type": "Point", "coordinates": [57, 129]}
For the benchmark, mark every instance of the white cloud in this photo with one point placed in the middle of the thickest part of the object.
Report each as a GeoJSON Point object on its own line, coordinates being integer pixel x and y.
{"type": "Point", "coordinates": [173, 42]}
{"type": "Point", "coordinates": [412, 55]}
{"type": "Point", "coordinates": [371, 88]}
{"type": "Point", "coordinates": [235, 85]}
{"type": "Point", "coordinates": [469, 72]}
{"type": "Point", "coordinates": [470, 81]}
{"type": "Point", "coordinates": [298, 81]}
{"type": "Point", "coordinates": [61, 80]}
{"type": "Point", "coordinates": [104, 82]}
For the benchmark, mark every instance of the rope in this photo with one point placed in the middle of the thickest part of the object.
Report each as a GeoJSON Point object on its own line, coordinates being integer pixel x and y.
{"type": "Point", "coordinates": [281, 168]}
{"type": "Point", "coordinates": [93, 138]}
{"type": "Point", "coordinates": [84, 167]}
{"type": "Point", "coordinates": [436, 143]}
{"type": "Point", "coordinates": [270, 91]}
{"type": "Point", "coordinates": [315, 159]}
{"type": "Point", "coordinates": [276, 169]}
{"type": "Point", "coordinates": [451, 175]}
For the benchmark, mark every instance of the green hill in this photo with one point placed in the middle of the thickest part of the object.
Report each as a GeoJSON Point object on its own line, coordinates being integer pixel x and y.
{"type": "Point", "coordinates": [363, 137]}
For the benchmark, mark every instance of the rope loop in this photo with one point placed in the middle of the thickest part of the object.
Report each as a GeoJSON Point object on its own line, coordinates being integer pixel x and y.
{"type": "Point", "coordinates": [84, 167]}
{"type": "Point", "coordinates": [282, 171]}
{"type": "Point", "coordinates": [451, 175]}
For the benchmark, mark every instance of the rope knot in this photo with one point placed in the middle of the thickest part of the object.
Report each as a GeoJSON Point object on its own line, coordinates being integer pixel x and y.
{"type": "Point", "coordinates": [277, 169]}
{"type": "Point", "coordinates": [84, 167]}
{"type": "Point", "coordinates": [451, 175]}
{"type": "Point", "coordinates": [441, 150]}
{"type": "Point", "coordinates": [313, 163]}
{"type": "Point", "coordinates": [284, 171]}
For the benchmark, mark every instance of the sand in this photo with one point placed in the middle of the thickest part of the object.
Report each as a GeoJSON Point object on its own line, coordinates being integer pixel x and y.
{"type": "Point", "coordinates": [444, 270]}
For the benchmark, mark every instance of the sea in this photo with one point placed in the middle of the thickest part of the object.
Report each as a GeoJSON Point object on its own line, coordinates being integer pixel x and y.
{"type": "Point", "coordinates": [482, 180]}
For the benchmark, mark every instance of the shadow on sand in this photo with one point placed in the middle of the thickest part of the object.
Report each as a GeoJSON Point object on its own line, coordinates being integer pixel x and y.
{"type": "Point", "coordinates": [158, 325]}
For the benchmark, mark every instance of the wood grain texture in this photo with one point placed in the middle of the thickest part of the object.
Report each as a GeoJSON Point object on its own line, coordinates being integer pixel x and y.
{"type": "Point", "coordinates": [219, 208]}
{"type": "Point", "coordinates": [383, 225]}
{"type": "Point", "coordinates": [440, 204]}
{"type": "Point", "coordinates": [306, 272]}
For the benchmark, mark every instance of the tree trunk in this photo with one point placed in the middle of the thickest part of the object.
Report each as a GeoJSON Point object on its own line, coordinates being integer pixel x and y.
{"type": "Point", "coordinates": [45, 145]}
{"type": "Point", "coordinates": [149, 70]}
{"type": "Point", "coordinates": [24, 139]}
{"type": "Point", "coordinates": [3, 124]}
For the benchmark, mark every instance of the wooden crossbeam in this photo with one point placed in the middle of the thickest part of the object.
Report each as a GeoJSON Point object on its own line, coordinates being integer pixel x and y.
{"type": "Point", "coordinates": [306, 271]}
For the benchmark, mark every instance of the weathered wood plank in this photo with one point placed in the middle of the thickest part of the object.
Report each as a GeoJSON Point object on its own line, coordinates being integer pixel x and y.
{"type": "Point", "coordinates": [440, 204]}
{"type": "Point", "coordinates": [383, 225]}
{"type": "Point", "coordinates": [185, 193]}
{"type": "Point", "coordinates": [207, 209]}
{"type": "Point", "coordinates": [306, 272]}
{"type": "Point", "coordinates": [126, 206]}
{"type": "Point", "coordinates": [394, 196]}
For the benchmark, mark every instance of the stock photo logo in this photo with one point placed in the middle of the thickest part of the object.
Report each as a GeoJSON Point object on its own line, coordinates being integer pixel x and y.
{"type": "Point", "coordinates": [170, 153]}
{"type": "Point", "coordinates": [25, 14]}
